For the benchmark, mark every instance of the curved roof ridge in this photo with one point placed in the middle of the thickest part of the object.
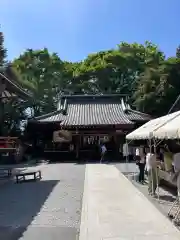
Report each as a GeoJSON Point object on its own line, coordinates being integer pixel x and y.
{"type": "Point", "coordinates": [49, 114]}
{"type": "Point", "coordinates": [138, 112]}
{"type": "Point", "coordinates": [16, 86]}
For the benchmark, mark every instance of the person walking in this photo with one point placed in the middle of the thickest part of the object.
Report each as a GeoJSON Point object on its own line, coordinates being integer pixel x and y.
{"type": "Point", "coordinates": [103, 152]}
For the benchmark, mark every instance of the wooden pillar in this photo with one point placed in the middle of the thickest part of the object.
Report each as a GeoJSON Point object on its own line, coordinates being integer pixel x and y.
{"type": "Point", "coordinates": [77, 144]}
{"type": "Point", "coordinates": [77, 148]}
{"type": "Point", "coordinates": [116, 142]}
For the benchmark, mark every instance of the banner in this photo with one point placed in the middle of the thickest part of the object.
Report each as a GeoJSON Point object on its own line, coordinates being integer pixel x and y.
{"type": "Point", "coordinates": [62, 136]}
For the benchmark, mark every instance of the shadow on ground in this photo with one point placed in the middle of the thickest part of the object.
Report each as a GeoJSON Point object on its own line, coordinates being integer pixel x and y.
{"type": "Point", "coordinates": [19, 204]}
{"type": "Point", "coordinates": [109, 162]}
{"type": "Point", "coordinates": [167, 198]}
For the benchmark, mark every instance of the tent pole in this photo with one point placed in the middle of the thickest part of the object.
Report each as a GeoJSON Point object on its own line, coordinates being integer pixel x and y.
{"type": "Point", "coordinates": [157, 177]}
{"type": "Point", "coordinates": [150, 148]}
{"type": "Point", "coordinates": [127, 160]}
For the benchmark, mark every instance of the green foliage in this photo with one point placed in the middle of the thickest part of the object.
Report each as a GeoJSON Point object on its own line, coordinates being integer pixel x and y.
{"type": "Point", "coordinates": [11, 111]}
{"type": "Point", "coordinates": [139, 70]}
{"type": "Point", "coordinates": [2, 62]}
{"type": "Point", "coordinates": [178, 52]}
{"type": "Point", "coordinates": [41, 72]}
{"type": "Point", "coordinates": [2, 50]}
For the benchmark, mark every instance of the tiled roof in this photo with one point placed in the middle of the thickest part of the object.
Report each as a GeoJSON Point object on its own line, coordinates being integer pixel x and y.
{"type": "Point", "coordinates": [137, 116]}
{"type": "Point", "coordinates": [95, 111]}
{"type": "Point", "coordinates": [12, 89]}
{"type": "Point", "coordinates": [56, 116]}
{"type": "Point", "coordinates": [7, 94]}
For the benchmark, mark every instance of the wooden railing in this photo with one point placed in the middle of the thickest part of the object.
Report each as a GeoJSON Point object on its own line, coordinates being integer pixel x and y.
{"type": "Point", "coordinates": [8, 144]}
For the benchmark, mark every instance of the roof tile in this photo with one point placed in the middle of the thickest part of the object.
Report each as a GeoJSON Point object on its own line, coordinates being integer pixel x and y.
{"type": "Point", "coordinates": [95, 112]}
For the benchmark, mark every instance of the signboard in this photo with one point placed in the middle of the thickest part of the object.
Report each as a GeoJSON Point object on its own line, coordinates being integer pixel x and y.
{"type": "Point", "coordinates": [62, 136]}
{"type": "Point", "coordinates": [119, 131]}
{"type": "Point", "coordinates": [92, 139]}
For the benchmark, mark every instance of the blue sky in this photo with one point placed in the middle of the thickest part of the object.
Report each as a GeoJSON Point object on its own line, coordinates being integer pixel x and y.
{"type": "Point", "coordinates": [75, 28]}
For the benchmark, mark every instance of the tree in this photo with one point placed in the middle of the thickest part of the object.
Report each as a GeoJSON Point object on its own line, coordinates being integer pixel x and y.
{"type": "Point", "coordinates": [159, 88]}
{"type": "Point", "coordinates": [149, 91]}
{"type": "Point", "coordinates": [42, 71]}
{"type": "Point", "coordinates": [2, 62]}
{"type": "Point", "coordinates": [116, 70]}
{"type": "Point", "coordinates": [11, 109]}
{"type": "Point", "coordinates": [178, 52]}
{"type": "Point", "coordinates": [140, 71]}
{"type": "Point", "coordinates": [2, 50]}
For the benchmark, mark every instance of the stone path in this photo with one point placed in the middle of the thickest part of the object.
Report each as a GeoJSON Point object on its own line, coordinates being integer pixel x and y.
{"type": "Point", "coordinates": [114, 209]}
{"type": "Point", "coordinates": [49, 209]}
{"type": "Point", "coordinates": [167, 195]}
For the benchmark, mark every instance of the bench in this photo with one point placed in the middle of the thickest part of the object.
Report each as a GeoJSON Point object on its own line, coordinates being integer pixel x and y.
{"type": "Point", "coordinates": [21, 177]}
{"type": "Point", "coordinates": [7, 172]}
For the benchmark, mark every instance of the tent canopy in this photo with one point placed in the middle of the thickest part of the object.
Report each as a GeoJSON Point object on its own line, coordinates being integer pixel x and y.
{"type": "Point", "coordinates": [153, 127]}
{"type": "Point", "coordinates": [170, 130]}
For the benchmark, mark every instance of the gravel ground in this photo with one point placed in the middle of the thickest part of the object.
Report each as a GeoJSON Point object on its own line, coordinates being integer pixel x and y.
{"type": "Point", "coordinates": [167, 195]}
{"type": "Point", "coordinates": [49, 209]}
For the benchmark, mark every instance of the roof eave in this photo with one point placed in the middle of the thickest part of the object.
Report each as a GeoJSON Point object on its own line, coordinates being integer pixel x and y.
{"type": "Point", "coordinates": [47, 115]}
{"type": "Point", "coordinates": [17, 90]}
{"type": "Point", "coordinates": [122, 125]}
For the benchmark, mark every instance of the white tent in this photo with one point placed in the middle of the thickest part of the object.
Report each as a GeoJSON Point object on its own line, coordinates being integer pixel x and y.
{"type": "Point", "coordinates": [160, 128]}
{"type": "Point", "coordinates": [151, 128]}
{"type": "Point", "coordinates": [170, 130]}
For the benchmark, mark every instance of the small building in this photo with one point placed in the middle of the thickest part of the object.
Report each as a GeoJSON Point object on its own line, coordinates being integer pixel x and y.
{"type": "Point", "coordinates": [10, 91]}
{"type": "Point", "coordinates": [82, 122]}
{"type": "Point", "coordinates": [9, 87]}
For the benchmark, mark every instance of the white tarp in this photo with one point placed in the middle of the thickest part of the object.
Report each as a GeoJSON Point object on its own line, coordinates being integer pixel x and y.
{"type": "Point", "coordinates": [147, 130]}
{"type": "Point", "coordinates": [170, 130]}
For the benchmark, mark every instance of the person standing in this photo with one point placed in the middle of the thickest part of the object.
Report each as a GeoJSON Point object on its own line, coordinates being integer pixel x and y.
{"type": "Point", "coordinates": [125, 151]}
{"type": "Point", "coordinates": [168, 159]}
{"type": "Point", "coordinates": [152, 164]}
{"type": "Point", "coordinates": [176, 165]}
{"type": "Point", "coordinates": [141, 162]}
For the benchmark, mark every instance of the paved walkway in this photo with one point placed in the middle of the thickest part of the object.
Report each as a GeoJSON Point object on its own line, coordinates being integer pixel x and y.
{"type": "Point", "coordinates": [113, 209]}
{"type": "Point", "coordinates": [49, 209]}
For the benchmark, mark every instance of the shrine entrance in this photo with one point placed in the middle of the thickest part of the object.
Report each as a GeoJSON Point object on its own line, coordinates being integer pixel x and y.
{"type": "Point", "coordinates": [91, 120]}
{"type": "Point", "coordinates": [90, 146]}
